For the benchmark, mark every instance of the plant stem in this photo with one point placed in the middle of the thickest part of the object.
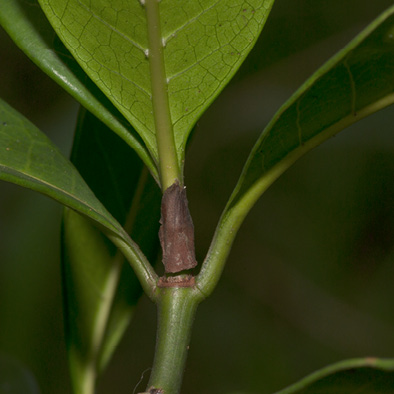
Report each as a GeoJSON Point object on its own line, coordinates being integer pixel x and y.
{"type": "Point", "coordinates": [168, 159]}
{"type": "Point", "coordinates": [83, 377]}
{"type": "Point", "coordinates": [141, 266]}
{"type": "Point", "coordinates": [176, 311]}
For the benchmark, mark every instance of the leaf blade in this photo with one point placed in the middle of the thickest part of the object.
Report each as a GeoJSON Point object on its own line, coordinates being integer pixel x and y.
{"type": "Point", "coordinates": [28, 158]}
{"type": "Point", "coordinates": [30, 30]}
{"type": "Point", "coordinates": [115, 54]}
{"type": "Point", "coordinates": [210, 59]}
{"type": "Point", "coordinates": [352, 85]}
{"type": "Point", "coordinates": [89, 275]}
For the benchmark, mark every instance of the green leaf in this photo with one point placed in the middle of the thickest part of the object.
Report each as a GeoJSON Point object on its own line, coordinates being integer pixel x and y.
{"type": "Point", "coordinates": [100, 292]}
{"type": "Point", "coordinates": [27, 25]}
{"type": "Point", "coordinates": [161, 64]}
{"type": "Point", "coordinates": [361, 376]}
{"type": "Point", "coordinates": [355, 83]}
{"type": "Point", "coordinates": [143, 225]}
{"type": "Point", "coordinates": [90, 277]}
{"type": "Point", "coordinates": [28, 158]}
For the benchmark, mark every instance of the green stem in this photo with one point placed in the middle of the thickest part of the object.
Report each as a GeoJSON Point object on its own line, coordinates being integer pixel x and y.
{"type": "Point", "coordinates": [83, 377]}
{"type": "Point", "coordinates": [141, 266]}
{"type": "Point", "coordinates": [219, 250]}
{"type": "Point", "coordinates": [176, 311]}
{"type": "Point", "coordinates": [168, 160]}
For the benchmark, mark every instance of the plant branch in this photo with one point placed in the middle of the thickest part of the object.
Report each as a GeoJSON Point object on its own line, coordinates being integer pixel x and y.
{"type": "Point", "coordinates": [176, 311]}
{"type": "Point", "coordinates": [168, 160]}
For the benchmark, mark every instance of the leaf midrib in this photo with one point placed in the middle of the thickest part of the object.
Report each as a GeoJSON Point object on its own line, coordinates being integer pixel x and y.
{"type": "Point", "coordinates": [168, 160]}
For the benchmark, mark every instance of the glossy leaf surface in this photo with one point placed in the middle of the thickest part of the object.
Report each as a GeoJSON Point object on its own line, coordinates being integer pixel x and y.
{"type": "Point", "coordinates": [28, 158]}
{"type": "Point", "coordinates": [196, 45]}
{"type": "Point", "coordinates": [355, 83]}
{"type": "Point", "coordinates": [361, 376]}
{"type": "Point", "coordinates": [100, 291]}
{"type": "Point", "coordinates": [28, 26]}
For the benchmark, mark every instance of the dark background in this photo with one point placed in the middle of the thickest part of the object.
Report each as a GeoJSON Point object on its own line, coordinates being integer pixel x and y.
{"type": "Point", "coordinates": [309, 279]}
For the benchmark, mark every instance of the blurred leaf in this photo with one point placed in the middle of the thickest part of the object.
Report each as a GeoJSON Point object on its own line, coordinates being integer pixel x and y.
{"type": "Point", "coordinates": [138, 52]}
{"type": "Point", "coordinates": [143, 225]}
{"type": "Point", "coordinates": [16, 378]}
{"type": "Point", "coordinates": [28, 158]}
{"type": "Point", "coordinates": [361, 376]}
{"type": "Point", "coordinates": [27, 25]}
{"type": "Point", "coordinates": [90, 276]}
{"type": "Point", "coordinates": [100, 291]}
